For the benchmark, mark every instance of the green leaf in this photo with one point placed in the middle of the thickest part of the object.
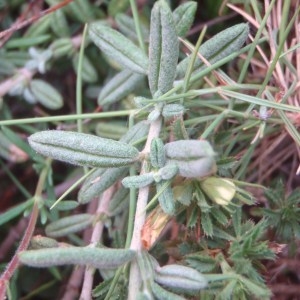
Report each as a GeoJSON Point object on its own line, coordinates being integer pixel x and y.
{"type": "Point", "coordinates": [15, 211]}
{"type": "Point", "coordinates": [119, 48]}
{"type": "Point", "coordinates": [157, 153]}
{"type": "Point", "coordinates": [202, 262]}
{"type": "Point", "coordinates": [218, 215]}
{"type": "Point", "coordinates": [237, 221]}
{"type": "Point", "coordinates": [96, 257]}
{"type": "Point", "coordinates": [167, 172]}
{"type": "Point", "coordinates": [119, 86]}
{"type": "Point", "coordinates": [162, 294]}
{"type": "Point", "coordinates": [184, 16]}
{"type": "Point", "coordinates": [59, 23]}
{"type": "Point", "coordinates": [180, 277]}
{"type": "Point", "coordinates": [173, 110]}
{"type": "Point", "coordinates": [254, 288]}
{"type": "Point", "coordinates": [64, 205]}
{"type": "Point", "coordinates": [135, 133]}
{"type": "Point", "coordinates": [111, 130]}
{"type": "Point", "coordinates": [39, 27]}
{"type": "Point", "coordinates": [193, 218]}
{"type": "Point", "coordinates": [98, 182]}
{"type": "Point", "coordinates": [82, 10]}
{"type": "Point", "coordinates": [46, 94]}
{"type": "Point", "coordinates": [260, 101]}
{"type": "Point", "coordinates": [83, 149]}
{"type": "Point", "coordinates": [69, 225]}
{"type": "Point", "coordinates": [179, 129]}
{"type": "Point", "coordinates": [89, 73]}
{"type": "Point", "coordinates": [206, 224]}
{"type": "Point", "coordinates": [165, 197]}
{"type": "Point", "coordinates": [7, 68]}
{"type": "Point", "coordinates": [228, 291]}
{"type": "Point", "coordinates": [127, 26]}
{"type": "Point", "coordinates": [216, 48]}
{"type": "Point", "coordinates": [27, 42]}
{"type": "Point", "coordinates": [119, 202]}
{"type": "Point", "coordinates": [101, 289]}
{"type": "Point", "coordinates": [102, 179]}
{"type": "Point", "coordinates": [183, 194]}
{"type": "Point", "coordinates": [62, 47]}
{"type": "Point", "coordinates": [138, 181]}
{"type": "Point", "coordinates": [163, 49]}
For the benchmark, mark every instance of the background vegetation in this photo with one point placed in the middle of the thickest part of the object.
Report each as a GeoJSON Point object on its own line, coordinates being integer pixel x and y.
{"type": "Point", "coordinates": [54, 77]}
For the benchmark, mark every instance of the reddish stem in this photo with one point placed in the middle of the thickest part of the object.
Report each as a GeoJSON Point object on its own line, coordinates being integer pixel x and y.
{"type": "Point", "coordinates": [24, 23]}
{"type": "Point", "coordinates": [14, 263]}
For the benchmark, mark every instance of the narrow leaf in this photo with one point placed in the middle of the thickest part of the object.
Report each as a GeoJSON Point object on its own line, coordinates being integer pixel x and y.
{"type": "Point", "coordinates": [168, 172]}
{"type": "Point", "coordinates": [216, 48]}
{"type": "Point", "coordinates": [127, 27]}
{"type": "Point", "coordinates": [166, 198]}
{"type": "Point", "coordinates": [206, 224]}
{"type": "Point", "coordinates": [157, 153]}
{"type": "Point", "coordinates": [59, 23]}
{"type": "Point", "coordinates": [163, 49]}
{"type": "Point", "coordinates": [62, 47]}
{"type": "Point", "coordinates": [69, 225]}
{"type": "Point", "coordinates": [119, 86]}
{"type": "Point", "coordinates": [138, 181]}
{"type": "Point", "coordinates": [162, 294]}
{"type": "Point", "coordinates": [88, 72]}
{"type": "Point", "coordinates": [136, 132]}
{"type": "Point", "coordinates": [83, 149]}
{"type": "Point", "coordinates": [260, 101]}
{"type": "Point", "coordinates": [46, 94]}
{"type": "Point", "coordinates": [82, 10]}
{"type": "Point", "coordinates": [98, 182]}
{"type": "Point", "coordinates": [180, 277]}
{"type": "Point", "coordinates": [64, 205]}
{"type": "Point", "coordinates": [15, 211]}
{"type": "Point", "coordinates": [173, 110]}
{"type": "Point", "coordinates": [184, 16]}
{"type": "Point", "coordinates": [96, 257]}
{"type": "Point", "coordinates": [119, 202]}
{"type": "Point", "coordinates": [119, 48]}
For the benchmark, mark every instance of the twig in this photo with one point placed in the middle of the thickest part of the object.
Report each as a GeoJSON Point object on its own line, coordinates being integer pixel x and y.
{"type": "Point", "coordinates": [22, 24]}
{"type": "Point", "coordinates": [96, 236]}
{"type": "Point", "coordinates": [14, 263]}
{"type": "Point", "coordinates": [140, 217]}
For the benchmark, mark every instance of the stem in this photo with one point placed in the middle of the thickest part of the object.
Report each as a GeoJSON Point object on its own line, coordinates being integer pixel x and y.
{"type": "Point", "coordinates": [65, 118]}
{"type": "Point", "coordinates": [79, 80]}
{"type": "Point", "coordinates": [137, 25]}
{"type": "Point", "coordinates": [140, 217]}
{"type": "Point", "coordinates": [87, 286]}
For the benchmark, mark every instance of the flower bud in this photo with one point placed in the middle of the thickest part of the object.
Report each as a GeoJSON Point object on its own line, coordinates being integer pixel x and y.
{"type": "Point", "coordinates": [194, 158]}
{"type": "Point", "coordinates": [219, 190]}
